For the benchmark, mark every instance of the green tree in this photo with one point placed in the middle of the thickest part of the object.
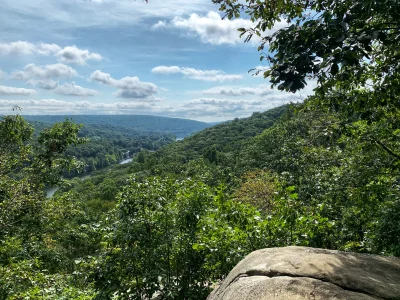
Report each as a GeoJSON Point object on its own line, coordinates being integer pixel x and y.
{"type": "Point", "coordinates": [343, 157]}
{"type": "Point", "coordinates": [173, 238]}
{"type": "Point", "coordinates": [258, 189]}
{"type": "Point", "coordinates": [26, 166]}
{"type": "Point", "coordinates": [346, 186]}
{"type": "Point", "coordinates": [334, 41]}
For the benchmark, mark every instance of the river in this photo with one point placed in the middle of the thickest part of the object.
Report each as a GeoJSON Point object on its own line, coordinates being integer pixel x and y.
{"type": "Point", "coordinates": [50, 190]}
{"type": "Point", "coordinates": [125, 161]}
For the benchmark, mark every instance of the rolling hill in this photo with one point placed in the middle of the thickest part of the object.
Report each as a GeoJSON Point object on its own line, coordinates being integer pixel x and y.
{"type": "Point", "coordinates": [179, 127]}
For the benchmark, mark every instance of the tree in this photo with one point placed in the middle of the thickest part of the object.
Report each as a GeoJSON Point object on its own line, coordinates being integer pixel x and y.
{"type": "Point", "coordinates": [350, 47]}
{"type": "Point", "coordinates": [258, 189]}
{"type": "Point", "coordinates": [26, 166]}
{"type": "Point", "coordinates": [173, 238]}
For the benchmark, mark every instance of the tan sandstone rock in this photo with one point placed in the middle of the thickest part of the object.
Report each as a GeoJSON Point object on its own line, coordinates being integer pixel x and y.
{"type": "Point", "coordinates": [309, 273]}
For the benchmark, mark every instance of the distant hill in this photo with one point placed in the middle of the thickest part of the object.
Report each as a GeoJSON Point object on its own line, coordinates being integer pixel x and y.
{"type": "Point", "coordinates": [179, 127]}
{"type": "Point", "coordinates": [214, 153]}
{"type": "Point", "coordinates": [226, 137]}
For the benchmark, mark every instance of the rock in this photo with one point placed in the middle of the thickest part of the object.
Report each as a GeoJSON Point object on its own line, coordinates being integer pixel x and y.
{"type": "Point", "coordinates": [309, 273]}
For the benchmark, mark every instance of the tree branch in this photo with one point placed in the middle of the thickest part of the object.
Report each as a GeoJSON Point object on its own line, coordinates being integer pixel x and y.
{"type": "Point", "coordinates": [386, 148]}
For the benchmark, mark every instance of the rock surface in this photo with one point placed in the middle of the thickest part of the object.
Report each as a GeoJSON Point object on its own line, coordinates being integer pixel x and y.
{"type": "Point", "coordinates": [309, 273]}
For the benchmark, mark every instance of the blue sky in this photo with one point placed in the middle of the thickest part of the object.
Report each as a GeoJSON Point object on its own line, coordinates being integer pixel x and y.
{"type": "Point", "coordinates": [167, 58]}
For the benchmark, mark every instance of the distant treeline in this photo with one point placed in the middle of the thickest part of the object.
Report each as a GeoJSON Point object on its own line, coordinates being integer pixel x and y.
{"type": "Point", "coordinates": [179, 127]}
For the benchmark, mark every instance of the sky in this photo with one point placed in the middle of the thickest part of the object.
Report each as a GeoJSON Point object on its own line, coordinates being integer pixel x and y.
{"type": "Point", "coordinates": [175, 58]}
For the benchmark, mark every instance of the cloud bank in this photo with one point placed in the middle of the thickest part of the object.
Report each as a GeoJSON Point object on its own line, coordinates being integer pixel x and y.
{"type": "Point", "coordinates": [204, 75]}
{"type": "Point", "coordinates": [8, 90]}
{"type": "Point", "coordinates": [205, 109]}
{"type": "Point", "coordinates": [261, 90]}
{"type": "Point", "coordinates": [32, 71]}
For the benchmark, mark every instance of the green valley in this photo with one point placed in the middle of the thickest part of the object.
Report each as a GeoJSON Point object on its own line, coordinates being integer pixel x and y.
{"type": "Point", "coordinates": [323, 172]}
{"type": "Point", "coordinates": [167, 223]}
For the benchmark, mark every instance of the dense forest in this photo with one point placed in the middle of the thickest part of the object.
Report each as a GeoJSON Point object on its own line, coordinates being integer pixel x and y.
{"type": "Point", "coordinates": [173, 222]}
{"type": "Point", "coordinates": [273, 179]}
{"type": "Point", "coordinates": [107, 145]}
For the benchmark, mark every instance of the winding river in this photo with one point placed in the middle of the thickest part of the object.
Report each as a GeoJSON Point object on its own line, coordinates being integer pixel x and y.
{"type": "Point", "coordinates": [50, 190]}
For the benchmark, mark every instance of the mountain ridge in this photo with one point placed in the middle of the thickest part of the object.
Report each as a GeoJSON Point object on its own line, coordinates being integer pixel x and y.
{"type": "Point", "coordinates": [147, 123]}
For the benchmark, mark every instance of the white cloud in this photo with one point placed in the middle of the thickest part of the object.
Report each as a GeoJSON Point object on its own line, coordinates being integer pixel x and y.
{"type": "Point", "coordinates": [69, 54]}
{"type": "Point", "coordinates": [2, 74]}
{"type": "Point", "coordinates": [261, 90]}
{"type": "Point", "coordinates": [207, 109]}
{"type": "Point", "coordinates": [216, 101]}
{"type": "Point", "coordinates": [216, 108]}
{"type": "Point", "coordinates": [212, 29]}
{"type": "Point", "coordinates": [48, 49]}
{"type": "Point", "coordinates": [8, 90]}
{"type": "Point", "coordinates": [74, 55]}
{"type": "Point", "coordinates": [167, 70]}
{"type": "Point", "coordinates": [74, 90]}
{"type": "Point", "coordinates": [17, 48]}
{"type": "Point", "coordinates": [69, 89]}
{"type": "Point", "coordinates": [26, 48]}
{"type": "Point", "coordinates": [129, 87]}
{"type": "Point", "coordinates": [103, 78]}
{"type": "Point", "coordinates": [44, 102]}
{"type": "Point", "coordinates": [54, 106]}
{"type": "Point", "coordinates": [73, 14]}
{"type": "Point", "coordinates": [43, 106]}
{"type": "Point", "coordinates": [33, 71]}
{"type": "Point", "coordinates": [204, 75]}
{"type": "Point", "coordinates": [159, 25]}
{"type": "Point", "coordinates": [226, 104]}
{"type": "Point", "coordinates": [48, 84]}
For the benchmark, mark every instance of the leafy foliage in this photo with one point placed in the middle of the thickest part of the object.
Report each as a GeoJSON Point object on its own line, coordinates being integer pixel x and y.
{"type": "Point", "coordinates": [167, 238]}
{"type": "Point", "coordinates": [258, 189]}
{"type": "Point", "coordinates": [26, 253]}
{"type": "Point", "coordinates": [331, 40]}
{"type": "Point", "coordinates": [334, 167]}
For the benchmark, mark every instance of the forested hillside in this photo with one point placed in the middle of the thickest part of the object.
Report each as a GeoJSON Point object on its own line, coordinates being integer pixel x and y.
{"type": "Point", "coordinates": [282, 183]}
{"type": "Point", "coordinates": [172, 223]}
{"type": "Point", "coordinates": [213, 152]}
{"type": "Point", "coordinates": [107, 145]}
{"type": "Point", "coordinates": [176, 126]}
{"type": "Point", "coordinates": [226, 138]}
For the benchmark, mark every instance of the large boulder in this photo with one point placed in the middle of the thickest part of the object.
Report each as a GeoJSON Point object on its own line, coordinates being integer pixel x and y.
{"type": "Point", "coordinates": [309, 273]}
